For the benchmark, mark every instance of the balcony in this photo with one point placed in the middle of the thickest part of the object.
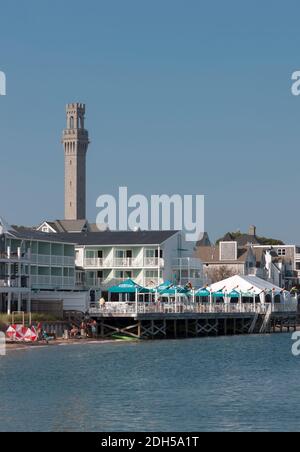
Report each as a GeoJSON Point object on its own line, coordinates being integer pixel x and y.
{"type": "Point", "coordinates": [53, 282]}
{"type": "Point", "coordinates": [47, 260]}
{"type": "Point", "coordinates": [126, 262]}
{"type": "Point", "coordinates": [187, 263]}
{"type": "Point", "coordinates": [14, 257]}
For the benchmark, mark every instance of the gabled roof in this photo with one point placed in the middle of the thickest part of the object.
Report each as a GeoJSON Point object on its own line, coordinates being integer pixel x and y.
{"type": "Point", "coordinates": [111, 238]}
{"type": "Point", "coordinates": [62, 226]}
{"type": "Point", "coordinates": [5, 228]}
{"type": "Point", "coordinates": [211, 254]}
{"type": "Point", "coordinates": [242, 240]}
{"type": "Point", "coordinates": [245, 284]}
{"type": "Point", "coordinates": [22, 233]}
{"type": "Point", "coordinates": [204, 241]}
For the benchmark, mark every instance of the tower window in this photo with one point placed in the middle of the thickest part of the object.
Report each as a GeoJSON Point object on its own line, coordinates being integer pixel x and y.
{"type": "Point", "coordinates": [72, 122]}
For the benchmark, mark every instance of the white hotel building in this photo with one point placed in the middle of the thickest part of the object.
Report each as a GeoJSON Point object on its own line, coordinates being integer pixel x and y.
{"type": "Point", "coordinates": [106, 258]}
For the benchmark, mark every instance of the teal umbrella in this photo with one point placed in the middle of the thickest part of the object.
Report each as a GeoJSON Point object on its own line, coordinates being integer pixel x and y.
{"type": "Point", "coordinates": [202, 293]}
{"type": "Point", "coordinates": [175, 290]}
{"type": "Point", "coordinates": [234, 294]}
{"type": "Point", "coordinates": [218, 294]}
{"type": "Point", "coordinates": [164, 286]}
{"type": "Point", "coordinates": [128, 286]}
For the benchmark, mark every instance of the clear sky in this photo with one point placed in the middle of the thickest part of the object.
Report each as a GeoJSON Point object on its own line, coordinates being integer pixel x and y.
{"type": "Point", "coordinates": [183, 96]}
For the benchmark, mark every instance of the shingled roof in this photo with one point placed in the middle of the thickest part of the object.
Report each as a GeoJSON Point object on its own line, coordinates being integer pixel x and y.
{"type": "Point", "coordinates": [111, 238]}
{"type": "Point", "coordinates": [211, 254]}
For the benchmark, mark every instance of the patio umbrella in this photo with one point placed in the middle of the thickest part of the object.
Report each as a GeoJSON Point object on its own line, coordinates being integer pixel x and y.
{"type": "Point", "coordinates": [202, 293]}
{"type": "Point", "coordinates": [128, 286]}
{"type": "Point", "coordinates": [234, 294]}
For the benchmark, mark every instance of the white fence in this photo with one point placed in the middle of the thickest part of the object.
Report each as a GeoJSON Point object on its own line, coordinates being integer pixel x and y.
{"type": "Point", "coordinates": [177, 308]}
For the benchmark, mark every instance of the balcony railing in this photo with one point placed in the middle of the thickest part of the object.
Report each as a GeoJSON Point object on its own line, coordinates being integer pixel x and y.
{"type": "Point", "coordinates": [14, 283]}
{"type": "Point", "coordinates": [14, 257]}
{"type": "Point", "coordinates": [60, 261]}
{"type": "Point", "coordinates": [58, 282]}
{"type": "Point", "coordinates": [126, 262]}
{"type": "Point", "coordinates": [187, 263]}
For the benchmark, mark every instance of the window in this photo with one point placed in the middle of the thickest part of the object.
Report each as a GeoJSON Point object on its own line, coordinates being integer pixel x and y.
{"type": "Point", "coordinates": [71, 122]}
{"type": "Point", "coordinates": [123, 275]}
{"type": "Point", "coordinates": [150, 254]}
{"type": "Point", "coordinates": [151, 274]}
{"type": "Point", "coordinates": [123, 254]}
{"type": "Point", "coordinates": [281, 252]}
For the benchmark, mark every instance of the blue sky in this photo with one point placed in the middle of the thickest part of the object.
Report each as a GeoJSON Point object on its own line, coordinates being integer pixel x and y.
{"type": "Point", "coordinates": [182, 97]}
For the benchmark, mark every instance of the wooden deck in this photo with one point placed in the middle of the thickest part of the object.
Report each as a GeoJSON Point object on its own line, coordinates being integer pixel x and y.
{"type": "Point", "coordinates": [172, 322]}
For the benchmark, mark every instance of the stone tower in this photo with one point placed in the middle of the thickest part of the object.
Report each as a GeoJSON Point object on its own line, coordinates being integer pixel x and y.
{"type": "Point", "coordinates": [76, 142]}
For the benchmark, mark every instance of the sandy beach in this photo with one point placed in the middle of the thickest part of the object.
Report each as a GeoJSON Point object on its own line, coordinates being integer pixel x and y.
{"type": "Point", "coordinates": [60, 343]}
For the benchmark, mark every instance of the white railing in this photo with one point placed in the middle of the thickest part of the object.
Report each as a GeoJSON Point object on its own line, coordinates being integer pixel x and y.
{"type": "Point", "coordinates": [187, 263]}
{"type": "Point", "coordinates": [93, 262]}
{"type": "Point", "coordinates": [124, 262]}
{"type": "Point", "coordinates": [176, 308]}
{"type": "Point", "coordinates": [153, 262]}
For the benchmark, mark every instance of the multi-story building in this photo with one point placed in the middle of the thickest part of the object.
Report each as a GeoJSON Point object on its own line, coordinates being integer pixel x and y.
{"type": "Point", "coordinates": [32, 262]}
{"type": "Point", "coordinates": [247, 254]}
{"type": "Point", "coordinates": [104, 259]}
{"type": "Point", "coordinates": [281, 262]}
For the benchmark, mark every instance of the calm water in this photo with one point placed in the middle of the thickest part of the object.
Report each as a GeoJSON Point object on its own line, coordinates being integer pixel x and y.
{"type": "Point", "coordinates": [228, 384]}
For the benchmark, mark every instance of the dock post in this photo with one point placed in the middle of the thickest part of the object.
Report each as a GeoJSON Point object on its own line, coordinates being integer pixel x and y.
{"type": "Point", "coordinates": [102, 329]}
{"type": "Point", "coordinates": [225, 327]}
{"type": "Point", "coordinates": [175, 329]}
{"type": "Point", "coordinates": [186, 328]}
{"type": "Point", "coordinates": [152, 329]}
{"type": "Point", "coordinates": [139, 329]}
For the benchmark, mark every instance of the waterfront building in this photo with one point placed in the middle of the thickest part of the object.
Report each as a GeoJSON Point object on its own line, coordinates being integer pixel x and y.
{"type": "Point", "coordinates": [104, 259]}
{"type": "Point", "coordinates": [31, 263]}
{"type": "Point", "coordinates": [247, 254]}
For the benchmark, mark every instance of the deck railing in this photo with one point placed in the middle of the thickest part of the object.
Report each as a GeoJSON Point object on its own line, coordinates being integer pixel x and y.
{"type": "Point", "coordinates": [177, 308]}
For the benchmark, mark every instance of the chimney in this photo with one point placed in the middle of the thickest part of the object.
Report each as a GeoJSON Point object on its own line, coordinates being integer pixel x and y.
{"type": "Point", "coordinates": [252, 231]}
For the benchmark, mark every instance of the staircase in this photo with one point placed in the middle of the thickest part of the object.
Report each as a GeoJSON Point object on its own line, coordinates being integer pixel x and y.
{"type": "Point", "coordinates": [254, 323]}
{"type": "Point", "coordinates": [74, 318]}
{"type": "Point", "coordinates": [265, 325]}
